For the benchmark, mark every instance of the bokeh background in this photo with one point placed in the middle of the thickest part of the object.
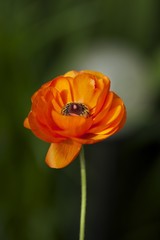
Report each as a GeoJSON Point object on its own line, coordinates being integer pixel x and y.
{"type": "Point", "coordinates": [40, 40]}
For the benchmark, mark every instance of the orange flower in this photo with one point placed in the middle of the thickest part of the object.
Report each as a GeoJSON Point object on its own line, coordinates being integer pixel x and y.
{"type": "Point", "coordinates": [74, 109]}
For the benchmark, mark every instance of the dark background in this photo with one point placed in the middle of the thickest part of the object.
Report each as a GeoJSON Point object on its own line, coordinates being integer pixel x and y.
{"type": "Point", "coordinates": [40, 40]}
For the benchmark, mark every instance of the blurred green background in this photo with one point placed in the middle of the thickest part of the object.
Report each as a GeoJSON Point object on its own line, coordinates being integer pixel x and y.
{"type": "Point", "coordinates": [40, 40]}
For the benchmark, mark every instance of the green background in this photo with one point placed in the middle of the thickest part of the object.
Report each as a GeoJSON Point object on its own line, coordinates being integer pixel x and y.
{"type": "Point", "coordinates": [40, 40]}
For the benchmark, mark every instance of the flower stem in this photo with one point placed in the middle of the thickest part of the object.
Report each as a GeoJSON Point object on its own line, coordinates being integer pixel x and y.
{"type": "Point", "coordinates": [83, 195]}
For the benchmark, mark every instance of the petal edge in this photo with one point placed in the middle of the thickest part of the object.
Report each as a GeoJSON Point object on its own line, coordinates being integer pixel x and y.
{"type": "Point", "coordinates": [62, 154]}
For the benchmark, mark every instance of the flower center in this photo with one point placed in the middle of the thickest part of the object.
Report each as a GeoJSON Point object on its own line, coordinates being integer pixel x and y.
{"type": "Point", "coordinates": [75, 109]}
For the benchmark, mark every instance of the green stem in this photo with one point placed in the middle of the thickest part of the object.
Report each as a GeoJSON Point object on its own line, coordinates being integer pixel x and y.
{"type": "Point", "coordinates": [83, 195]}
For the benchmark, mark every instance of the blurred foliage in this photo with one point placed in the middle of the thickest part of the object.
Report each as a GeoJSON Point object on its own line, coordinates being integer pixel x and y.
{"type": "Point", "coordinates": [37, 42]}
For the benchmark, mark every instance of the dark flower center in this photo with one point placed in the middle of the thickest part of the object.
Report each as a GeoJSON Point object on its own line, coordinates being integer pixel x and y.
{"type": "Point", "coordinates": [71, 109]}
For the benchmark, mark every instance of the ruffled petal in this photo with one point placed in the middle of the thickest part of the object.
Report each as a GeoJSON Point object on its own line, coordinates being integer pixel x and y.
{"type": "Point", "coordinates": [100, 101]}
{"type": "Point", "coordinates": [41, 109]}
{"type": "Point", "coordinates": [71, 125]}
{"type": "Point", "coordinates": [95, 73]}
{"type": "Point", "coordinates": [62, 85]}
{"type": "Point", "coordinates": [87, 89]}
{"type": "Point", "coordinates": [104, 89]}
{"type": "Point", "coordinates": [26, 123]}
{"type": "Point", "coordinates": [111, 116]}
{"type": "Point", "coordinates": [42, 131]}
{"type": "Point", "coordinates": [108, 102]}
{"type": "Point", "coordinates": [91, 138]}
{"type": "Point", "coordinates": [61, 154]}
{"type": "Point", "coordinates": [72, 74]}
{"type": "Point", "coordinates": [101, 136]}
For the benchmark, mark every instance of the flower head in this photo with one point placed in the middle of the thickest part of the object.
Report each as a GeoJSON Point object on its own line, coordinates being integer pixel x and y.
{"type": "Point", "coordinates": [74, 109]}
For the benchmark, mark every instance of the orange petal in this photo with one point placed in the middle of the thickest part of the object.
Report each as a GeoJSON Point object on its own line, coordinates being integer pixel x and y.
{"type": "Point", "coordinates": [95, 73]}
{"type": "Point", "coordinates": [112, 114]}
{"type": "Point", "coordinates": [26, 123]}
{"type": "Point", "coordinates": [101, 100]}
{"type": "Point", "coordinates": [71, 74]}
{"type": "Point", "coordinates": [61, 154]}
{"type": "Point", "coordinates": [56, 106]}
{"type": "Point", "coordinates": [105, 109]}
{"type": "Point", "coordinates": [41, 110]}
{"type": "Point", "coordinates": [100, 137]}
{"type": "Point", "coordinates": [62, 85]}
{"type": "Point", "coordinates": [91, 138]}
{"type": "Point", "coordinates": [42, 131]}
{"type": "Point", "coordinates": [71, 125]}
{"type": "Point", "coordinates": [107, 120]}
{"type": "Point", "coordinates": [87, 89]}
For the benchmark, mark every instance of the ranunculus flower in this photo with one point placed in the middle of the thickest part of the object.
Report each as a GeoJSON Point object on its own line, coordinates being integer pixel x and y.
{"type": "Point", "coordinates": [74, 109]}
